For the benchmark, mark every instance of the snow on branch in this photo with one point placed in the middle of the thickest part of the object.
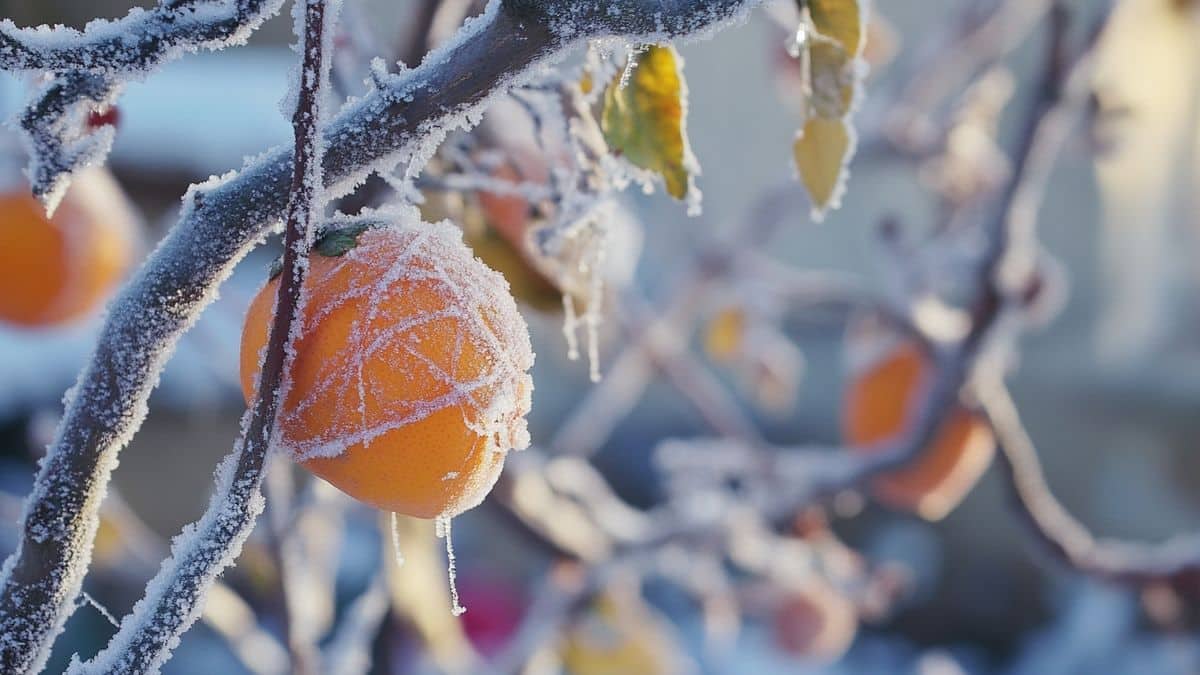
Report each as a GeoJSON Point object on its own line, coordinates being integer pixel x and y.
{"type": "Point", "coordinates": [647, 20]}
{"type": "Point", "coordinates": [175, 597]}
{"type": "Point", "coordinates": [135, 43]}
{"type": "Point", "coordinates": [1174, 563]}
{"type": "Point", "coordinates": [88, 69]}
{"type": "Point", "coordinates": [222, 220]}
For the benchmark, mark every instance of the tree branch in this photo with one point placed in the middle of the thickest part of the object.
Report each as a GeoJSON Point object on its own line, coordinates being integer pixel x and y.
{"type": "Point", "coordinates": [220, 222]}
{"type": "Point", "coordinates": [1175, 562]}
{"type": "Point", "coordinates": [91, 66]}
{"type": "Point", "coordinates": [105, 48]}
{"type": "Point", "coordinates": [174, 598]}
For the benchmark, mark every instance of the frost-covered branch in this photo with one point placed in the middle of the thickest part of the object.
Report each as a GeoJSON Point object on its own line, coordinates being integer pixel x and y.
{"type": "Point", "coordinates": [135, 43]}
{"type": "Point", "coordinates": [1175, 562]}
{"type": "Point", "coordinates": [175, 597]}
{"type": "Point", "coordinates": [221, 221]}
{"type": "Point", "coordinates": [90, 67]}
{"type": "Point", "coordinates": [645, 19]}
{"type": "Point", "coordinates": [225, 613]}
{"type": "Point", "coordinates": [805, 474]}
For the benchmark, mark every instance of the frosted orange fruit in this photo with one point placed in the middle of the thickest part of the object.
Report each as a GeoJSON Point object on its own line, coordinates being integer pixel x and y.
{"type": "Point", "coordinates": [55, 270]}
{"type": "Point", "coordinates": [410, 380]}
{"type": "Point", "coordinates": [878, 405]}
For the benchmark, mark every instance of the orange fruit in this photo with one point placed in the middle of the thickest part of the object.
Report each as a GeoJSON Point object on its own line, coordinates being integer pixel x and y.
{"type": "Point", "coordinates": [815, 623]}
{"type": "Point", "coordinates": [878, 405]}
{"type": "Point", "coordinates": [409, 382]}
{"type": "Point", "coordinates": [508, 213]}
{"type": "Point", "coordinates": [55, 270]}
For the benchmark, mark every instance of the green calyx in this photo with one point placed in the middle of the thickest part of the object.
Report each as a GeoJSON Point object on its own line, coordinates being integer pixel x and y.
{"type": "Point", "coordinates": [331, 241]}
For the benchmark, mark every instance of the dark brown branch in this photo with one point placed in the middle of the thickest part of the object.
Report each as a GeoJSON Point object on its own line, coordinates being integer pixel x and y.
{"type": "Point", "coordinates": [303, 207]}
{"type": "Point", "coordinates": [175, 596]}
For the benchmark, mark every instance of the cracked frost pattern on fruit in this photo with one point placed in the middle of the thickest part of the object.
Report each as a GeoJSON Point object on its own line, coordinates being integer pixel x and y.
{"type": "Point", "coordinates": [491, 390]}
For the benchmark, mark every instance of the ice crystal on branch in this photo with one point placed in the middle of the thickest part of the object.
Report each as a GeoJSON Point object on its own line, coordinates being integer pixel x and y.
{"type": "Point", "coordinates": [88, 68]}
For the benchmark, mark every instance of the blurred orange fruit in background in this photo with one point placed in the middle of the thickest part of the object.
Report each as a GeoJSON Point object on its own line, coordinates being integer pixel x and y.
{"type": "Point", "coordinates": [878, 403]}
{"type": "Point", "coordinates": [59, 269]}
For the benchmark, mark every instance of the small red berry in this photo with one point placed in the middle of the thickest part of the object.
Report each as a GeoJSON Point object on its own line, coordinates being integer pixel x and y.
{"type": "Point", "coordinates": [108, 116]}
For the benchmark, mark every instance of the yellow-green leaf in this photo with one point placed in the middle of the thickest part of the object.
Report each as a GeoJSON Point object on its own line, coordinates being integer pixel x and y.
{"type": "Point", "coordinates": [643, 119]}
{"type": "Point", "coordinates": [822, 149]}
{"type": "Point", "coordinates": [841, 20]}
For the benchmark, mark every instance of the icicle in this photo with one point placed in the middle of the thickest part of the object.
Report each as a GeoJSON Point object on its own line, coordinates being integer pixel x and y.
{"type": "Point", "coordinates": [399, 555]}
{"type": "Point", "coordinates": [593, 340]}
{"type": "Point", "coordinates": [570, 324]}
{"type": "Point", "coordinates": [442, 529]}
{"type": "Point", "coordinates": [593, 317]}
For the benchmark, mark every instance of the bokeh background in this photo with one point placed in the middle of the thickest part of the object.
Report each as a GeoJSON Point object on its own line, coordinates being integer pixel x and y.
{"type": "Point", "coordinates": [1109, 388]}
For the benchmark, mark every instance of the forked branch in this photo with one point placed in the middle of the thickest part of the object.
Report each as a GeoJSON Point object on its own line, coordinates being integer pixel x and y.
{"type": "Point", "coordinates": [175, 597]}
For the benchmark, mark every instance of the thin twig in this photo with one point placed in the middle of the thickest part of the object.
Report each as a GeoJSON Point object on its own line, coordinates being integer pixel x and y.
{"type": "Point", "coordinates": [174, 598]}
{"type": "Point", "coordinates": [91, 66]}
{"type": "Point", "coordinates": [1175, 562]}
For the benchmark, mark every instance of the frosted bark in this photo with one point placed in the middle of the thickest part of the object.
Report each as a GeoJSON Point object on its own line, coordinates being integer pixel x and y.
{"type": "Point", "coordinates": [91, 66]}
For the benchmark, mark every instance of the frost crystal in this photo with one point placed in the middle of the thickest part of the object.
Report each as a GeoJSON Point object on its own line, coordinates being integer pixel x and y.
{"type": "Point", "coordinates": [470, 302]}
{"type": "Point", "coordinates": [89, 68]}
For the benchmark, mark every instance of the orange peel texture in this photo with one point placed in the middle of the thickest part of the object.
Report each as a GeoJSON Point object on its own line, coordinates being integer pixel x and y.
{"type": "Point", "coordinates": [410, 378]}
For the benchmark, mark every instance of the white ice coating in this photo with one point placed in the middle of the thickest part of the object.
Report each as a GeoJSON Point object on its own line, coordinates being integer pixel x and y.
{"type": "Point", "coordinates": [90, 68]}
{"type": "Point", "coordinates": [492, 398]}
{"type": "Point", "coordinates": [442, 529]}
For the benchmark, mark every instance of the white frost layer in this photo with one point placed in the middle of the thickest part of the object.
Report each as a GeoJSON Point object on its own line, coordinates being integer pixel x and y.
{"type": "Point", "coordinates": [475, 299]}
